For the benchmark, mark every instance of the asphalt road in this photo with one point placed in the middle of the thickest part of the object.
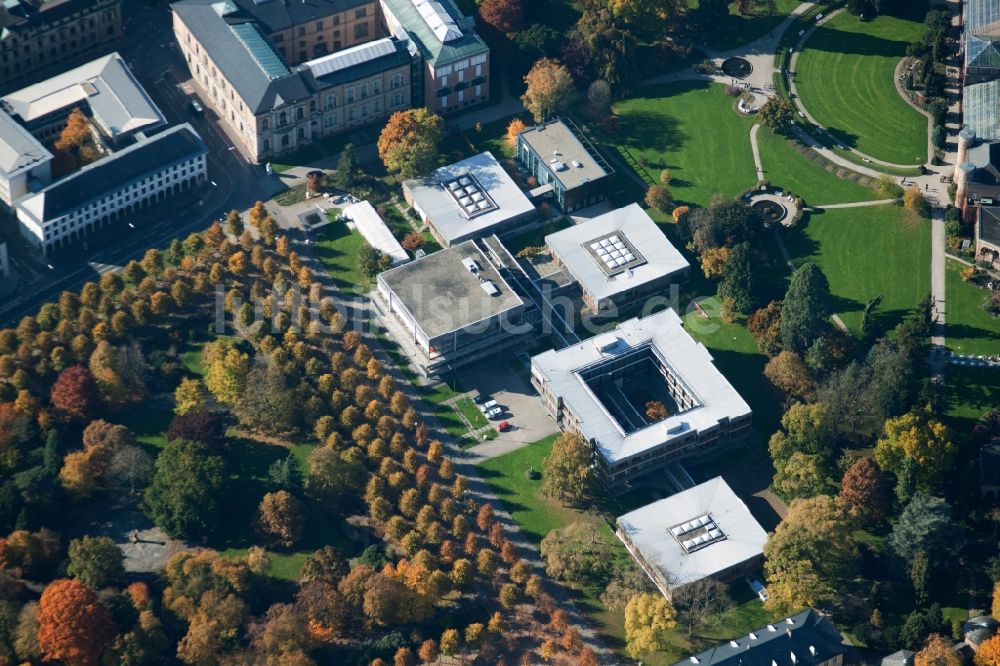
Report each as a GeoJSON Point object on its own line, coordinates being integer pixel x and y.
{"type": "Point", "coordinates": [148, 48]}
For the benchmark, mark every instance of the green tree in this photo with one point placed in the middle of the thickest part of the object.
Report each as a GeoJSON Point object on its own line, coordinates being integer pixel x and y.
{"type": "Point", "coordinates": [187, 486]}
{"type": "Point", "coordinates": [926, 526]}
{"type": "Point", "coordinates": [568, 475]}
{"type": "Point", "coordinates": [581, 551]}
{"type": "Point", "coordinates": [777, 113]}
{"type": "Point", "coordinates": [96, 560]}
{"type": "Point", "coordinates": [345, 177]}
{"type": "Point", "coordinates": [806, 309]}
{"type": "Point", "coordinates": [332, 476]}
{"type": "Point", "coordinates": [372, 261]}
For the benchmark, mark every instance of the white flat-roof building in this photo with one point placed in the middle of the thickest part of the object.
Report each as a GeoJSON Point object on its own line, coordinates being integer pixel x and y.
{"type": "Point", "coordinates": [450, 308]}
{"type": "Point", "coordinates": [23, 161]}
{"type": "Point", "coordinates": [618, 258]}
{"type": "Point", "coordinates": [704, 531]}
{"type": "Point", "coordinates": [601, 388]}
{"type": "Point", "coordinates": [104, 89]}
{"type": "Point", "coordinates": [468, 200]}
{"type": "Point", "coordinates": [374, 230]}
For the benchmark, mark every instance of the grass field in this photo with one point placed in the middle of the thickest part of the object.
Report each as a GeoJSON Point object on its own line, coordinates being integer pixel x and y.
{"type": "Point", "coordinates": [865, 252]}
{"type": "Point", "coordinates": [969, 329]}
{"type": "Point", "coordinates": [844, 77]}
{"type": "Point", "coordinates": [786, 167]}
{"type": "Point", "coordinates": [337, 247]}
{"type": "Point", "coordinates": [745, 29]}
{"type": "Point", "coordinates": [691, 129]}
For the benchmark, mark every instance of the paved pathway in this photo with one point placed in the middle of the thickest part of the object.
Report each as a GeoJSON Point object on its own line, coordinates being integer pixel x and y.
{"type": "Point", "coordinates": [858, 204]}
{"type": "Point", "coordinates": [938, 350]}
{"type": "Point", "coordinates": [756, 151]}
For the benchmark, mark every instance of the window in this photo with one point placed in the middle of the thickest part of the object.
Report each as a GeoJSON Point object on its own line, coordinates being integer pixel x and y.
{"type": "Point", "coordinates": [300, 113]}
{"type": "Point", "coordinates": [331, 102]}
{"type": "Point", "coordinates": [264, 124]}
{"type": "Point", "coordinates": [397, 99]}
{"type": "Point", "coordinates": [361, 13]}
{"type": "Point", "coordinates": [364, 110]}
{"type": "Point", "coordinates": [364, 90]}
{"type": "Point", "coordinates": [378, 106]}
{"type": "Point", "coordinates": [301, 134]}
{"type": "Point", "coordinates": [350, 95]}
{"type": "Point", "coordinates": [336, 20]}
{"type": "Point", "coordinates": [319, 25]}
{"type": "Point", "coordinates": [331, 120]}
{"type": "Point", "coordinates": [302, 31]}
{"type": "Point", "coordinates": [376, 86]}
{"type": "Point", "coordinates": [284, 141]}
{"type": "Point", "coordinates": [350, 115]}
{"type": "Point", "coordinates": [397, 80]}
{"type": "Point", "coordinates": [360, 30]}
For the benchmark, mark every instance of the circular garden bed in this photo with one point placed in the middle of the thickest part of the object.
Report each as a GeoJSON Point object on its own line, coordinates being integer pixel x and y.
{"type": "Point", "coordinates": [769, 211]}
{"type": "Point", "coordinates": [738, 68]}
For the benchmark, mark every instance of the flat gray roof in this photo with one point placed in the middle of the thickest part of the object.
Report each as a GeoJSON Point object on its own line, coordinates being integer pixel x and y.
{"type": "Point", "coordinates": [659, 531]}
{"type": "Point", "coordinates": [443, 210]}
{"type": "Point", "coordinates": [632, 227]}
{"type": "Point", "coordinates": [687, 360]}
{"type": "Point", "coordinates": [443, 296]}
{"type": "Point", "coordinates": [556, 143]}
{"type": "Point", "coordinates": [18, 148]}
{"type": "Point", "coordinates": [116, 100]}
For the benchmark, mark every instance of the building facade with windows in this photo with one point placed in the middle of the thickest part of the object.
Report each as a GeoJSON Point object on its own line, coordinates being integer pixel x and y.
{"type": "Point", "coordinates": [24, 161]}
{"type": "Point", "coordinates": [601, 388]}
{"type": "Point", "coordinates": [451, 61]}
{"type": "Point", "coordinates": [270, 107]}
{"type": "Point", "coordinates": [282, 75]}
{"type": "Point", "coordinates": [37, 35]}
{"type": "Point", "coordinates": [113, 188]}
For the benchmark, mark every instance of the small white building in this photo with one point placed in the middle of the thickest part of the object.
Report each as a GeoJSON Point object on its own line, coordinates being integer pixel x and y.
{"type": "Point", "coordinates": [468, 200]}
{"type": "Point", "coordinates": [704, 531]}
{"type": "Point", "coordinates": [374, 230]}
{"type": "Point", "coordinates": [114, 187]}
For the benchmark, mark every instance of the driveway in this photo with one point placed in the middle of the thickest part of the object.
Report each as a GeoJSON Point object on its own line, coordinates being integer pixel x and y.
{"type": "Point", "coordinates": [523, 409]}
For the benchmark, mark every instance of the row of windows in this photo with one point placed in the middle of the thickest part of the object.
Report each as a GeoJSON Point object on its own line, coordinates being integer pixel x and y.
{"type": "Point", "coordinates": [30, 37]}
{"type": "Point", "coordinates": [332, 101]}
{"type": "Point", "coordinates": [351, 115]}
{"type": "Point", "coordinates": [117, 200]}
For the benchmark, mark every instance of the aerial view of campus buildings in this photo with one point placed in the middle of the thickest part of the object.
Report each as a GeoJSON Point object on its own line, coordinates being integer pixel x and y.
{"type": "Point", "coordinates": [495, 332]}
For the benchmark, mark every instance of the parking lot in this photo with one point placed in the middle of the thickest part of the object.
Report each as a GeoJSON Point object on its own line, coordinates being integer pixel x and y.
{"type": "Point", "coordinates": [522, 408]}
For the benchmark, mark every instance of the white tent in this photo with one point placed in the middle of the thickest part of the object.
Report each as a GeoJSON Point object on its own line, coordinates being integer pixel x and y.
{"type": "Point", "coordinates": [374, 230]}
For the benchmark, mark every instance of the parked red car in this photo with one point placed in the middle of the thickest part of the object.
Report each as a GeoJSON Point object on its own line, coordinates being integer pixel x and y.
{"type": "Point", "coordinates": [503, 426]}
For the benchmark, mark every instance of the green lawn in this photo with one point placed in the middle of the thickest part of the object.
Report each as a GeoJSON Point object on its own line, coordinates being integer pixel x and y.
{"type": "Point", "coordinates": [865, 252]}
{"type": "Point", "coordinates": [969, 329]}
{"type": "Point", "coordinates": [337, 247]}
{"type": "Point", "coordinates": [536, 237]}
{"type": "Point", "coordinates": [291, 196]}
{"type": "Point", "coordinates": [784, 166]}
{"type": "Point", "coordinates": [970, 393]}
{"type": "Point", "coordinates": [845, 78]}
{"type": "Point", "coordinates": [691, 129]}
{"type": "Point", "coordinates": [471, 412]}
{"type": "Point", "coordinates": [745, 29]}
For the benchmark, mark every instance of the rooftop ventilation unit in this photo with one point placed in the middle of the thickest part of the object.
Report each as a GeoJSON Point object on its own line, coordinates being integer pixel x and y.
{"type": "Point", "coordinates": [560, 166]}
{"type": "Point", "coordinates": [489, 287]}
{"type": "Point", "coordinates": [577, 164]}
{"type": "Point", "coordinates": [471, 265]}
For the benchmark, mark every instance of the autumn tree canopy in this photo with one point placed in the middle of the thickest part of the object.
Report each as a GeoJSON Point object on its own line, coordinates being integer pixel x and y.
{"type": "Point", "coordinates": [73, 626]}
{"type": "Point", "coordinates": [409, 142]}
{"type": "Point", "coordinates": [549, 89]}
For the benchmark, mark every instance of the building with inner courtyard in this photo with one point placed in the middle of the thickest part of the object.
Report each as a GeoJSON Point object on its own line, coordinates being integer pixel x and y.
{"type": "Point", "coordinates": [619, 259]}
{"type": "Point", "coordinates": [451, 308]}
{"type": "Point", "coordinates": [701, 532]}
{"type": "Point", "coordinates": [468, 200]}
{"type": "Point", "coordinates": [602, 387]}
{"type": "Point", "coordinates": [567, 167]}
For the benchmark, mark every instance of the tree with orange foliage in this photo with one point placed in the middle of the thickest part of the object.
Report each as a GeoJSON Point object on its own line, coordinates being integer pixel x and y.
{"type": "Point", "coordinates": [515, 127]}
{"type": "Point", "coordinates": [73, 627]}
{"type": "Point", "coordinates": [75, 146]}
{"type": "Point", "coordinates": [988, 653]}
{"type": "Point", "coordinates": [937, 652]}
{"type": "Point", "coordinates": [504, 15]}
{"type": "Point", "coordinates": [409, 141]}
{"type": "Point", "coordinates": [549, 89]}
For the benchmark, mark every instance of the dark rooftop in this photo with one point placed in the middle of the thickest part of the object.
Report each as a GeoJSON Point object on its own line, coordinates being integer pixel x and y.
{"type": "Point", "coordinates": [989, 224]}
{"type": "Point", "coordinates": [804, 639]}
{"type": "Point", "coordinates": [116, 171]}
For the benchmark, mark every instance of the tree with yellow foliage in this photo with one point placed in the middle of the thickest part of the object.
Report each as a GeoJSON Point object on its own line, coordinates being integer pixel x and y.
{"type": "Point", "coordinates": [409, 141]}
{"type": "Point", "coordinates": [937, 652]}
{"type": "Point", "coordinates": [713, 260]}
{"type": "Point", "coordinates": [549, 90]}
{"type": "Point", "coordinates": [920, 437]}
{"type": "Point", "coordinates": [988, 653]}
{"type": "Point", "coordinates": [515, 127]}
{"type": "Point", "coordinates": [647, 616]}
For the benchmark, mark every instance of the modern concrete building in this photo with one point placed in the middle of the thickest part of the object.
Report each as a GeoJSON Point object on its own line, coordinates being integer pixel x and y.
{"type": "Point", "coordinates": [451, 308]}
{"type": "Point", "coordinates": [451, 62]}
{"type": "Point", "coordinates": [113, 188]}
{"type": "Point", "coordinates": [601, 387]}
{"type": "Point", "coordinates": [702, 532]}
{"type": "Point", "coordinates": [281, 75]}
{"type": "Point", "coordinates": [565, 164]}
{"type": "Point", "coordinates": [467, 200]}
{"type": "Point", "coordinates": [37, 36]}
{"type": "Point", "coordinates": [25, 164]}
{"type": "Point", "coordinates": [104, 89]}
{"type": "Point", "coordinates": [807, 638]}
{"type": "Point", "coordinates": [620, 259]}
